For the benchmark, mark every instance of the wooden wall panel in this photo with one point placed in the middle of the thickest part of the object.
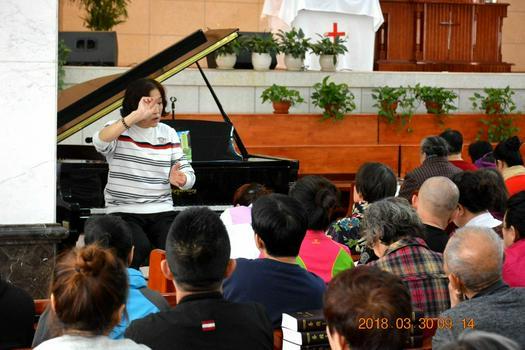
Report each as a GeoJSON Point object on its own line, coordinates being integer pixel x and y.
{"type": "Point", "coordinates": [333, 159]}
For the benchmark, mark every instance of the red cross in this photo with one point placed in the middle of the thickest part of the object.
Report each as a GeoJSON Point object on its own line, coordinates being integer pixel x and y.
{"type": "Point", "coordinates": [335, 33]}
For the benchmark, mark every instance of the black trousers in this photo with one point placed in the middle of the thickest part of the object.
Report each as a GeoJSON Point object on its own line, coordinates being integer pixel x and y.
{"type": "Point", "coordinates": [148, 231]}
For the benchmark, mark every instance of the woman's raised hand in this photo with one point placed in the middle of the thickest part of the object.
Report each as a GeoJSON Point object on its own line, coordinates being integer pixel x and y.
{"type": "Point", "coordinates": [147, 107]}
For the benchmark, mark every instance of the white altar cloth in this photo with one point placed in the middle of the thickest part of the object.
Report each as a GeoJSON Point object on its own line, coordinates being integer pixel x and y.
{"type": "Point", "coordinates": [359, 19]}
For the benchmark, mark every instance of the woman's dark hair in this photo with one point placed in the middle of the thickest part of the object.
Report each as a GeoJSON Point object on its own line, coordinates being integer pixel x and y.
{"type": "Point", "coordinates": [509, 151]}
{"type": "Point", "coordinates": [248, 193]}
{"type": "Point", "coordinates": [89, 285]}
{"type": "Point", "coordinates": [362, 293]}
{"type": "Point", "coordinates": [515, 214]}
{"type": "Point", "coordinates": [501, 194]}
{"type": "Point", "coordinates": [109, 231]}
{"type": "Point", "coordinates": [434, 146]}
{"type": "Point", "coordinates": [375, 181]}
{"type": "Point", "coordinates": [476, 192]}
{"type": "Point", "coordinates": [479, 149]}
{"type": "Point", "coordinates": [454, 140]}
{"type": "Point", "coordinates": [138, 89]}
{"type": "Point", "coordinates": [319, 197]}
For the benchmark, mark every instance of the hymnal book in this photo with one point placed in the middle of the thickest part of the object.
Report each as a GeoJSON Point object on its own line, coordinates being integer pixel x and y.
{"type": "Point", "coordinates": [291, 346]}
{"type": "Point", "coordinates": [304, 321]}
{"type": "Point", "coordinates": [305, 338]}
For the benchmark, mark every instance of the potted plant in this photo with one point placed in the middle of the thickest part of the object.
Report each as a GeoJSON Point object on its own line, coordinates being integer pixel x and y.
{"type": "Point", "coordinates": [281, 97]}
{"type": "Point", "coordinates": [328, 51]}
{"type": "Point", "coordinates": [389, 99]}
{"type": "Point", "coordinates": [335, 99]}
{"type": "Point", "coordinates": [262, 47]}
{"type": "Point", "coordinates": [63, 52]}
{"type": "Point", "coordinates": [294, 45]}
{"type": "Point", "coordinates": [437, 100]}
{"type": "Point", "coordinates": [226, 55]}
{"type": "Point", "coordinates": [101, 17]}
{"type": "Point", "coordinates": [497, 104]}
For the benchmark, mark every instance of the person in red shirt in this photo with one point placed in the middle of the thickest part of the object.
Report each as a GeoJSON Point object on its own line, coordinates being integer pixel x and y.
{"type": "Point", "coordinates": [455, 142]}
{"type": "Point", "coordinates": [514, 240]}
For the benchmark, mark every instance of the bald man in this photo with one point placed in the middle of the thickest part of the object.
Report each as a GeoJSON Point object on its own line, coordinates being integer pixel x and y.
{"type": "Point", "coordinates": [480, 300]}
{"type": "Point", "coordinates": [436, 203]}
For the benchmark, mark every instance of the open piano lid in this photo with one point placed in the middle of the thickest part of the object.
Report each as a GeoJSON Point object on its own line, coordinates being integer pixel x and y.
{"type": "Point", "coordinates": [84, 104]}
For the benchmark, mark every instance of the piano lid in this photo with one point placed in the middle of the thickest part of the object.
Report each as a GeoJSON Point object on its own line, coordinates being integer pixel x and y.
{"type": "Point", "coordinates": [84, 104]}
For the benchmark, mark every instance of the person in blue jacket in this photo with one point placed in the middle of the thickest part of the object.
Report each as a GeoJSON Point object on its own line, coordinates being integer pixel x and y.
{"type": "Point", "coordinates": [111, 231]}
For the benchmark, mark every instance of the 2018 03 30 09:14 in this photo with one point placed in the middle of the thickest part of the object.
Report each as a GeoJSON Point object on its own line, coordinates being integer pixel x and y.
{"type": "Point", "coordinates": [368, 323]}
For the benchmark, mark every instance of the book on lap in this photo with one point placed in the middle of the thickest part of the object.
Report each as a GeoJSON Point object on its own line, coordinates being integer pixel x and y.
{"type": "Point", "coordinates": [305, 338]}
{"type": "Point", "coordinates": [291, 346]}
{"type": "Point", "coordinates": [304, 321]}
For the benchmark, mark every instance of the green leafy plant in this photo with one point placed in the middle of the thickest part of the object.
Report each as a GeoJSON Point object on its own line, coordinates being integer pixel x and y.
{"type": "Point", "coordinates": [325, 46]}
{"type": "Point", "coordinates": [103, 15]}
{"type": "Point", "coordinates": [231, 48]}
{"type": "Point", "coordinates": [293, 43]}
{"type": "Point", "coordinates": [497, 104]}
{"type": "Point", "coordinates": [278, 93]}
{"type": "Point", "coordinates": [63, 53]}
{"type": "Point", "coordinates": [261, 44]}
{"type": "Point", "coordinates": [389, 99]}
{"type": "Point", "coordinates": [335, 99]}
{"type": "Point", "coordinates": [438, 100]}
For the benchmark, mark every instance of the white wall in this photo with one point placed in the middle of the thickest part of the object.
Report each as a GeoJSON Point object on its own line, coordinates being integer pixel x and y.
{"type": "Point", "coordinates": [28, 80]}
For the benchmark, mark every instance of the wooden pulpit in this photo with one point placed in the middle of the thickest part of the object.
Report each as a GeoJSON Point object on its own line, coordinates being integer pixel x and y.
{"type": "Point", "coordinates": [441, 35]}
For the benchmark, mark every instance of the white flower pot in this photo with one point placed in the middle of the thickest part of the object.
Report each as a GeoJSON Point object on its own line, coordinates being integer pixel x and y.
{"type": "Point", "coordinates": [293, 63]}
{"type": "Point", "coordinates": [226, 61]}
{"type": "Point", "coordinates": [261, 61]}
{"type": "Point", "coordinates": [327, 63]}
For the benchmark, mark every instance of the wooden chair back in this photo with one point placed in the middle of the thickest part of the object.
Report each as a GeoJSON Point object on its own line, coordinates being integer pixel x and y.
{"type": "Point", "coordinates": [156, 279]}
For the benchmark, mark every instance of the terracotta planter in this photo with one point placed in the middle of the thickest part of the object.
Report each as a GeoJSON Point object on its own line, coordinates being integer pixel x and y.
{"type": "Point", "coordinates": [281, 107]}
{"type": "Point", "coordinates": [389, 107]}
{"type": "Point", "coordinates": [434, 107]}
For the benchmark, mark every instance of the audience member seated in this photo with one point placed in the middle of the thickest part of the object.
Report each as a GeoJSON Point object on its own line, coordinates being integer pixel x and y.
{"type": "Point", "coordinates": [88, 294]}
{"type": "Point", "coordinates": [392, 228]}
{"type": "Point", "coordinates": [500, 198]}
{"type": "Point", "coordinates": [373, 181]}
{"type": "Point", "coordinates": [238, 221]}
{"type": "Point", "coordinates": [510, 164]}
{"type": "Point", "coordinates": [480, 300]}
{"type": "Point", "coordinates": [198, 259]}
{"type": "Point", "coordinates": [17, 319]}
{"type": "Point", "coordinates": [319, 253]}
{"type": "Point", "coordinates": [276, 281]}
{"type": "Point", "coordinates": [455, 142]}
{"type": "Point", "coordinates": [479, 340]}
{"type": "Point", "coordinates": [514, 240]}
{"type": "Point", "coordinates": [112, 232]}
{"type": "Point", "coordinates": [436, 204]}
{"type": "Point", "coordinates": [476, 197]}
{"type": "Point", "coordinates": [434, 152]}
{"type": "Point", "coordinates": [481, 154]}
{"type": "Point", "coordinates": [366, 293]}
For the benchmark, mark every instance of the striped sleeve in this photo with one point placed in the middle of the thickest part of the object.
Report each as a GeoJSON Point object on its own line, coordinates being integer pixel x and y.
{"type": "Point", "coordinates": [105, 148]}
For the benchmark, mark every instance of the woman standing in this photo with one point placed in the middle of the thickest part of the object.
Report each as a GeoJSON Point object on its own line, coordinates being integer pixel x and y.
{"type": "Point", "coordinates": [145, 158]}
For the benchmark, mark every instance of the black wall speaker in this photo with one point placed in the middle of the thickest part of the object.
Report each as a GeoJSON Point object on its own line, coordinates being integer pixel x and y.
{"type": "Point", "coordinates": [91, 48]}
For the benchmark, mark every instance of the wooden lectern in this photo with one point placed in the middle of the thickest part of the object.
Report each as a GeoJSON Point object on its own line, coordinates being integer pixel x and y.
{"type": "Point", "coordinates": [441, 35]}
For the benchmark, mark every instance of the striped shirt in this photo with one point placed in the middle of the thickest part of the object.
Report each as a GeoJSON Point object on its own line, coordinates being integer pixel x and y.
{"type": "Point", "coordinates": [422, 272]}
{"type": "Point", "coordinates": [140, 160]}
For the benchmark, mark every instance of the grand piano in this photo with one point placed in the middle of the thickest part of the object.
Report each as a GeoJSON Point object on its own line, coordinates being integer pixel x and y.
{"type": "Point", "coordinates": [219, 157]}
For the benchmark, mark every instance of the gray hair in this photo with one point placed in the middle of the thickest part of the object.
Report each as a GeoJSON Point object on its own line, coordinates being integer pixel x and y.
{"type": "Point", "coordinates": [439, 196]}
{"type": "Point", "coordinates": [475, 255]}
{"type": "Point", "coordinates": [434, 146]}
{"type": "Point", "coordinates": [389, 220]}
{"type": "Point", "coordinates": [481, 340]}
